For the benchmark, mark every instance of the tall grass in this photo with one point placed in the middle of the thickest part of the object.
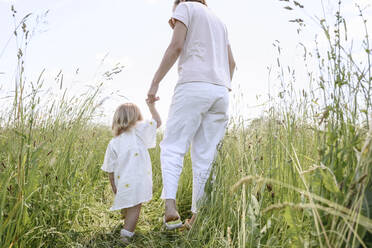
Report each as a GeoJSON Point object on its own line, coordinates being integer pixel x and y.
{"type": "Point", "coordinates": [49, 155]}
{"type": "Point", "coordinates": [299, 176]}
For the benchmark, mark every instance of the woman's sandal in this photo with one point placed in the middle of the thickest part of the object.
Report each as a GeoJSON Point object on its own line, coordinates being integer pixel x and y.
{"type": "Point", "coordinates": [187, 225]}
{"type": "Point", "coordinates": [172, 225]}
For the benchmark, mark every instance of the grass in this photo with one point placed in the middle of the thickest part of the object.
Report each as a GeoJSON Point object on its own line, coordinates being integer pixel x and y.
{"type": "Point", "coordinates": [299, 176]}
{"type": "Point", "coordinates": [65, 199]}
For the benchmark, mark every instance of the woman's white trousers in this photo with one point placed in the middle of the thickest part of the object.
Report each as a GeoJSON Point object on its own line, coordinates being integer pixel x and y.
{"type": "Point", "coordinates": [198, 117]}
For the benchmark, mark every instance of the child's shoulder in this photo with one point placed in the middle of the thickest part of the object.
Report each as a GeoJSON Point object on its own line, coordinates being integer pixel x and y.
{"type": "Point", "coordinates": [144, 123]}
{"type": "Point", "coordinates": [120, 141]}
{"type": "Point", "coordinates": [116, 139]}
{"type": "Point", "coordinates": [112, 141]}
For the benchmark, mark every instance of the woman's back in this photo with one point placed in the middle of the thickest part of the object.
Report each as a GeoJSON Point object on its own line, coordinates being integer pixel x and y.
{"type": "Point", "coordinates": [204, 57]}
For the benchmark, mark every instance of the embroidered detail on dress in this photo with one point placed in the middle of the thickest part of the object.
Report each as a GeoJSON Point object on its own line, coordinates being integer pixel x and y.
{"type": "Point", "coordinates": [126, 185]}
{"type": "Point", "coordinates": [151, 123]}
{"type": "Point", "coordinates": [118, 177]}
{"type": "Point", "coordinates": [136, 154]}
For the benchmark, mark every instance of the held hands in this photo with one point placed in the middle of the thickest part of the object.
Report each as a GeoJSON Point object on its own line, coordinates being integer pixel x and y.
{"type": "Point", "coordinates": [151, 95]}
{"type": "Point", "coordinates": [152, 104]}
{"type": "Point", "coordinates": [151, 99]}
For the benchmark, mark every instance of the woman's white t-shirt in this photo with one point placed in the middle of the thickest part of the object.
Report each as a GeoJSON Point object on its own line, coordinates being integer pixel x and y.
{"type": "Point", "coordinates": [204, 57]}
{"type": "Point", "coordinates": [128, 158]}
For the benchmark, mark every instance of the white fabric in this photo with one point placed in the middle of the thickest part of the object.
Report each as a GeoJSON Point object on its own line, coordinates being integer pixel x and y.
{"type": "Point", "coordinates": [197, 116]}
{"type": "Point", "coordinates": [128, 158]}
{"type": "Point", "coordinates": [204, 57]}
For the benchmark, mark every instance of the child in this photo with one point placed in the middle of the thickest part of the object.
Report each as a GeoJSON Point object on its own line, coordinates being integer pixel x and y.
{"type": "Point", "coordinates": [128, 162]}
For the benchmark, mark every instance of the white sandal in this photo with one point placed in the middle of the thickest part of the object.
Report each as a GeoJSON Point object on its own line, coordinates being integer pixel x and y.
{"type": "Point", "coordinates": [125, 236]}
{"type": "Point", "coordinates": [172, 225]}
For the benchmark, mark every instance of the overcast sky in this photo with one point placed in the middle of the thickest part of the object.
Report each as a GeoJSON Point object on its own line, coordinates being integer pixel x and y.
{"type": "Point", "coordinates": [77, 34]}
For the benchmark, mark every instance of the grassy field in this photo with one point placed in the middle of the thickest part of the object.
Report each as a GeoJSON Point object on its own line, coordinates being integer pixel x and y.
{"type": "Point", "coordinates": [54, 194]}
{"type": "Point", "coordinates": [299, 176]}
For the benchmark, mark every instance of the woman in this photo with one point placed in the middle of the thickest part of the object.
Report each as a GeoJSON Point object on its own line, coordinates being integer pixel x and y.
{"type": "Point", "coordinates": [198, 113]}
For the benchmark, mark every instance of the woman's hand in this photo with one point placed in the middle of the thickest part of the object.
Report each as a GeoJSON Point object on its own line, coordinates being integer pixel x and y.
{"type": "Point", "coordinates": [151, 95]}
{"type": "Point", "coordinates": [151, 104]}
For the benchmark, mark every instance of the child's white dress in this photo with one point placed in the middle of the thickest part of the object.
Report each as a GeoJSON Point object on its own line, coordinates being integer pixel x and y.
{"type": "Point", "coordinates": [128, 158]}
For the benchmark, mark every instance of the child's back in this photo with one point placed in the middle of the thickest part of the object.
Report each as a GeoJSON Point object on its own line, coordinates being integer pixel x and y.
{"type": "Point", "coordinates": [128, 163]}
{"type": "Point", "coordinates": [127, 157]}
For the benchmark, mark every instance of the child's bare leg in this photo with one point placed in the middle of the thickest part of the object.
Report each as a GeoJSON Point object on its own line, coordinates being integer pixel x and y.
{"type": "Point", "coordinates": [123, 213]}
{"type": "Point", "coordinates": [131, 218]}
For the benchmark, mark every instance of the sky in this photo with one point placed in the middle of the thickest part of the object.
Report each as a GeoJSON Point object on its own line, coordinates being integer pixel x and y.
{"type": "Point", "coordinates": [76, 35]}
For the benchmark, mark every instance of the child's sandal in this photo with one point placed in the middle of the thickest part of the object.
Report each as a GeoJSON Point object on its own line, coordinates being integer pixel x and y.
{"type": "Point", "coordinates": [125, 236]}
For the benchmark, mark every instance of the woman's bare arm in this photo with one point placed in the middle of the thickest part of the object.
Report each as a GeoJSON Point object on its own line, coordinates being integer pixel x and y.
{"type": "Point", "coordinates": [170, 57]}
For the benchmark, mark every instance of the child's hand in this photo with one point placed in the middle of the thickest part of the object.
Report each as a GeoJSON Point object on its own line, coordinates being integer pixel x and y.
{"type": "Point", "coordinates": [154, 112]}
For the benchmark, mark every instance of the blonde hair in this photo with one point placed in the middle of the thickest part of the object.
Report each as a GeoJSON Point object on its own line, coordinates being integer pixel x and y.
{"type": "Point", "coordinates": [125, 117]}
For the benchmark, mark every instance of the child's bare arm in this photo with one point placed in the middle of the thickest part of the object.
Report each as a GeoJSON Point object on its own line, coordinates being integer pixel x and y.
{"type": "Point", "coordinates": [112, 181]}
{"type": "Point", "coordinates": [232, 64]}
{"type": "Point", "coordinates": [154, 112]}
